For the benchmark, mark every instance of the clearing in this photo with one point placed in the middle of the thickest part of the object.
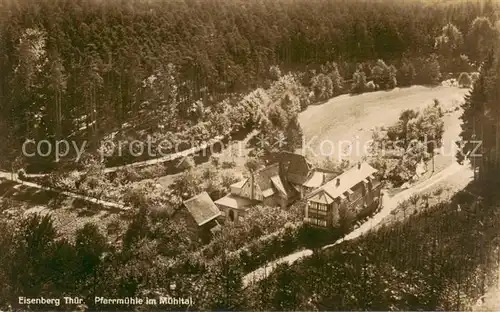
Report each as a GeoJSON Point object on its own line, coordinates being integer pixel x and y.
{"type": "Point", "coordinates": [353, 118]}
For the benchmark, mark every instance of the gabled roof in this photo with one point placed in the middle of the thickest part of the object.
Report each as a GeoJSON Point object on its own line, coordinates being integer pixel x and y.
{"type": "Point", "coordinates": [235, 202]}
{"type": "Point", "coordinates": [237, 187]}
{"type": "Point", "coordinates": [296, 166]}
{"type": "Point", "coordinates": [322, 198]}
{"type": "Point", "coordinates": [239, 184]}
{"type": "Point", "coordinates": [348, 180]}
{"type": "Point", "coordinates": [264, 175]}
{"type": "Point", "coordinates": [202, 208]}
{"type": "Point", "coordinates": [278, 184]}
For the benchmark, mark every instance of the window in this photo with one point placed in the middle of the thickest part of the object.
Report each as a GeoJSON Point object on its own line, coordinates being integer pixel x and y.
{"type": "Point", "coordinates": [316, 221]}
{"type": "Point", "coordinates": [231, 215]}
{"type": "Point", "coordinates": [318, 206]}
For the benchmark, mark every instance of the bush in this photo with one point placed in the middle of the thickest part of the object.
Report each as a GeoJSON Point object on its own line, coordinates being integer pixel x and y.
{"type": "Point", "coordinates": [429, 71]}
{"type": "Point", "coordinates": [370, 86]}
{"type": "Point", "coordinates": [359, 82]}
{"type": "Point", "coordinates": [215, 160]}
{"type": "Point", "coordinates": [113, 227]}
{"type": "Point", "coordinates": [406, 74]}
{"type": "Point", "coordinates": [474, 76]}
{"type": "Point", "coordinates": [21, 174]}
{"type": "Point", "coordinates": [228, 164]}
{"type": "Point", "coordinates": [127, 175]}
{"type": "Point", "coordinates": [275, 72]}
{"type": "Point", "coordinates": [228, 178]}
{"type": "Point", "coordinates": [187, 163]}
{"type": "Point", "coordinates": [464, 80]}
{"type": "Point", "coordinates": [323, 87]}
{"type": "Point", "coordinates": [384, 75]}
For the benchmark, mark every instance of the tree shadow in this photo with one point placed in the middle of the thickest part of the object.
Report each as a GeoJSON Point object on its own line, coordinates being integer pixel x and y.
{"type": "Point", "coordinates": [35, 196]}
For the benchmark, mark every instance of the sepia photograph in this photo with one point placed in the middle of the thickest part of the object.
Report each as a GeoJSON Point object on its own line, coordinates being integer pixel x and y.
{"type": "Point", "coordinates": [249, 155]}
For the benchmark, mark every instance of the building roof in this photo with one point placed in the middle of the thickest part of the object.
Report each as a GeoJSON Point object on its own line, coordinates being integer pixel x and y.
{"type": "Point", "coordinates": [322, 198]}
{"type": "Point", "coordinates": [239, 184]}
{"type": "Point", "coordinates": [202, 208]}
{"type": "Point", "coordinates": [270, 181]}
{"type": "Point", "coordinates": [235, 202]}
{"type": "Point", "coordinates": [278, 184]}
{"type": "Point", "coordinates": [264, 175]}
{"type": "Point", "coordinates": [268, 192]}
{"type": "Point", "coordinates": [315, 180]}
{"type": "Point", "coordinates": [347, 181]}
{"type": "Point", "coordinates": [237, 187]}
{"type": "Point", "coordinates": [296, 163]}
{"type": "Point", "coordinates": [296, 167]}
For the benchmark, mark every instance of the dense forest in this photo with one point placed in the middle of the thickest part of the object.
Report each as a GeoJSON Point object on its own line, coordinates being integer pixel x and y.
{"type": "Point", "coordinates": [481, 122]}
{"type": "Point", "coordinates": [441, 258]}
{"type": "Point", "coordinates": [83, 69]}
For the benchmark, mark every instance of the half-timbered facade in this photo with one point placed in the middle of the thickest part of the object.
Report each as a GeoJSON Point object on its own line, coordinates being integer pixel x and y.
{"type": "Point", "coordinates": [356, 190]}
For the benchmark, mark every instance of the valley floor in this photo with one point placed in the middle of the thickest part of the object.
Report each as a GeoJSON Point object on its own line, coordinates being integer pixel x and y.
{"type": "Point", "coordinates": [352, 119]}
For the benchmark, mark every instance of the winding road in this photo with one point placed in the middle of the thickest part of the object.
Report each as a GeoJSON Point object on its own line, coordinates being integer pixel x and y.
{"type": "Point", "coordinates": [103, 203]}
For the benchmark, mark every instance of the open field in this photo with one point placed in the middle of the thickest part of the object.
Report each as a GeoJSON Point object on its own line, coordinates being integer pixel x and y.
{"type": "Point", "coordinates": [352, 118]}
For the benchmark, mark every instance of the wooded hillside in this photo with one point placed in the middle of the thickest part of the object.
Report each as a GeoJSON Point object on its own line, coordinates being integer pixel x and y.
{"type": "Point", "coordinates": [84, 68]}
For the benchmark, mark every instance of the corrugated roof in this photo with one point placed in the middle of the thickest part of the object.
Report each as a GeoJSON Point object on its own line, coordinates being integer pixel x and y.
{"type": "Point", "coordinates": [235, 202]}
{"type": "Point", "coordinates": [202, 208]}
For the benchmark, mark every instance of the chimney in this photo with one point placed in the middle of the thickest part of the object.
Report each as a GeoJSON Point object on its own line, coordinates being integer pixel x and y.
{"type": "Point", "coordinates": [338, 182]}
{"type": "Point", "coordinates": [252, 185]}
{"type": "Point", "coordinates": [359, 165]}
{"type": "Point", "coordinates": [283, 172]}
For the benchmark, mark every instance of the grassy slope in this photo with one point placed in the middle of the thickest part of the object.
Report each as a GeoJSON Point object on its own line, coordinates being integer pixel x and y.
{"type": "Point", "coordinates": [68, 214]}
{"type": "Point", "coordinates": [352, 118]}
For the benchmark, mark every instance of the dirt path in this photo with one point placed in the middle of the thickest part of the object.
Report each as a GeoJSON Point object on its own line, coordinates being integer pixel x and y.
{"type": "Point", "coordinates": [103, 203]}
{"type": "Point", "coordinates": [166, 158]}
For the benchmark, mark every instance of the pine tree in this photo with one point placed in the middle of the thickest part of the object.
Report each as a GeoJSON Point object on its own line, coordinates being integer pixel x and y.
{"type": "Point", "coordinates": [475, 121]}
{"type": "Point", "coordinates": [492, 111]}
{"type": "Point", "coordinates": [294, 135]}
